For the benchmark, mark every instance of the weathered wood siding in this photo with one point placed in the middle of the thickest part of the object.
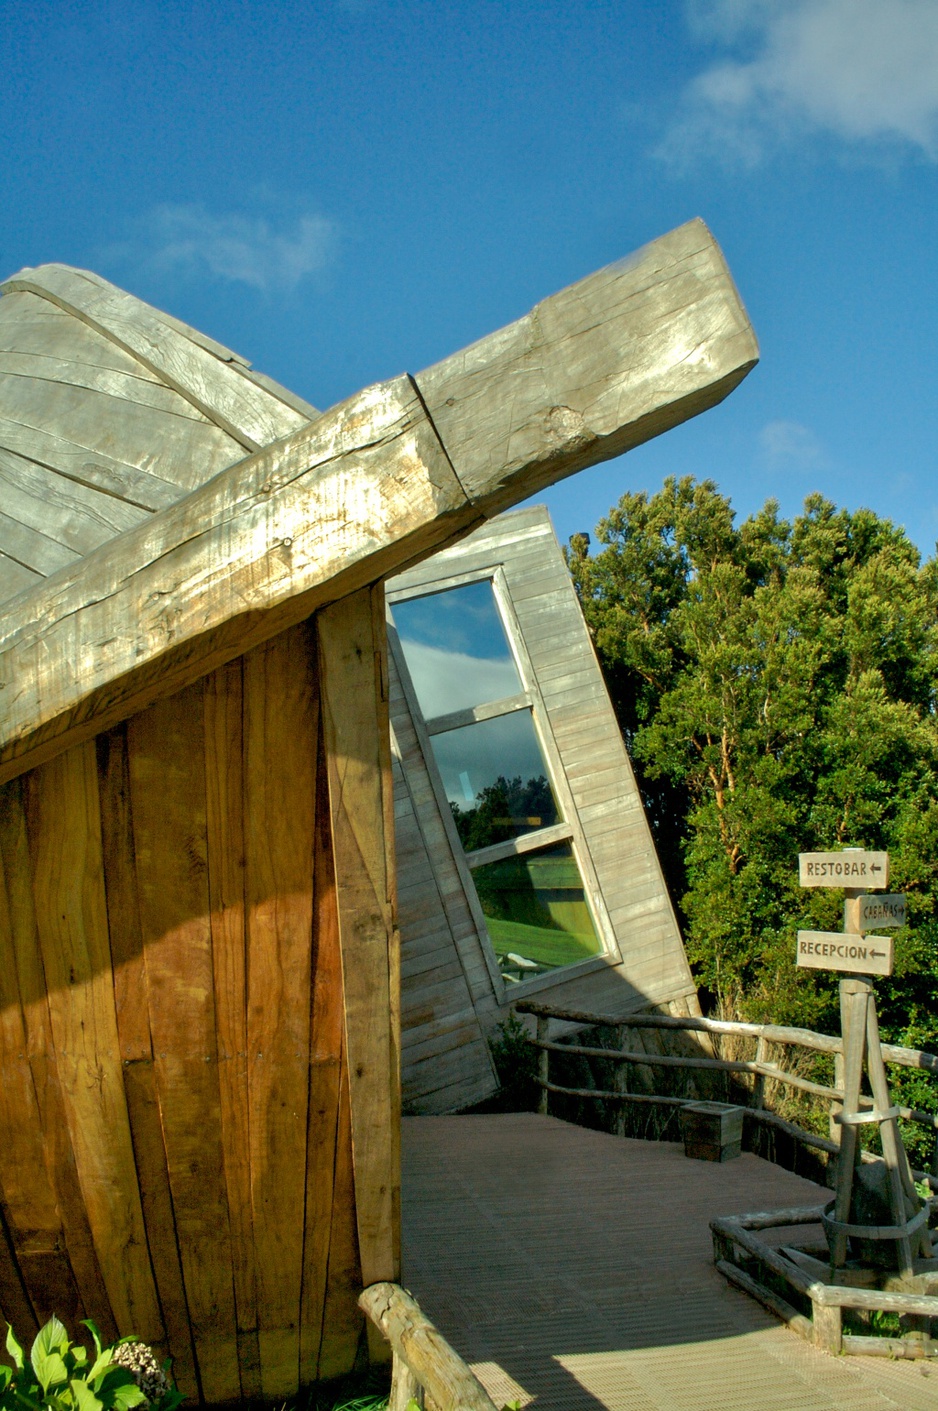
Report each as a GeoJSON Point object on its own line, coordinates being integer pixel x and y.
{"type": "Point", "coordinates": [198, 1121]}
{"type": "Point", "coordinates": [451, 993]}
{"type": "Point", "coordinates": [109, 412]}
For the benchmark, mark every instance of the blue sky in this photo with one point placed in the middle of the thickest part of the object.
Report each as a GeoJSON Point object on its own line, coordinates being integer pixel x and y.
{"type": "Point", "coordinates": [348, 189]}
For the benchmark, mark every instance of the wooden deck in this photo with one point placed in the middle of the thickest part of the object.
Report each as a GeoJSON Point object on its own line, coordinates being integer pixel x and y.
{"type": "Point", "coordinates": [573, 1271]}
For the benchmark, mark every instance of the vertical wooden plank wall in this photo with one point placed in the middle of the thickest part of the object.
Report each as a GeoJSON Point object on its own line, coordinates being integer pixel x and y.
{"type": "Point", "coordinates": [199, 1119]}
{"type": "Point", "coordinates": [353, 651]}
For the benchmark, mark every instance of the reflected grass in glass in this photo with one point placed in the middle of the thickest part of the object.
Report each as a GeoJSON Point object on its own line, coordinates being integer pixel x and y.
{"type": "Point", "coordinates": [535, 908]}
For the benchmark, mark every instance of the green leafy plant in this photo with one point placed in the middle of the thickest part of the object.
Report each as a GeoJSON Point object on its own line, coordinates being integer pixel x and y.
{"type": "Point", "coordinates": [59, 1374]}
{"type": "Point", "coordinates": [776, 682]}
{"type": "Point", "coordinates": [516, 1065]}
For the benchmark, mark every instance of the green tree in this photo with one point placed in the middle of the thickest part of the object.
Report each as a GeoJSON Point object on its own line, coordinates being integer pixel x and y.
{"type": "Point", "coordinates": [776, 685]}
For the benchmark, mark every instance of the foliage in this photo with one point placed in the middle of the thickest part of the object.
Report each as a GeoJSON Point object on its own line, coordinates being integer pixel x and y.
{"type": "Point", "coordinates": [776, 685]}
{"type": "Point", "coordinates": [501, 809]}
{"type": "Point", "coordinates": [359, 1391]}
{"type": "Point", "coordinates": [516, 1065]}
{"type": "Point", "coordinates": [59, 1375]}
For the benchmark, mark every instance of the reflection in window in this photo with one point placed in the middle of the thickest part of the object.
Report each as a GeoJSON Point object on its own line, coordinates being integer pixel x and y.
{"type": "Point", "coordinates": [456, 649]}
{"type": "Point", "coordinates": [495, 779]}
{"type": "Point", "coordinates": [536, 911]}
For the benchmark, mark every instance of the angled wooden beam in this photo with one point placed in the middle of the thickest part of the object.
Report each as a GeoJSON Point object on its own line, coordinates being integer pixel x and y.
{"type": "Point", "coordinates": [376, 483]}
{"type": "Point", "coordinates": [595, 370]}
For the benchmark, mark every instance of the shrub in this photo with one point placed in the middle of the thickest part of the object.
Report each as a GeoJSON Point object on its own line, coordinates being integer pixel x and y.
{"type": "Point", "coordinates": [58, 1375]}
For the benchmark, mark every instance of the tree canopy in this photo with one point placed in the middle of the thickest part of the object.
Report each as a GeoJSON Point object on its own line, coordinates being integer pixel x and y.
{"type": "Point", "coordinates": [776, 685]}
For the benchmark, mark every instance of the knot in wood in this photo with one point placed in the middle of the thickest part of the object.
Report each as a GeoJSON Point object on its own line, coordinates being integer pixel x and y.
{"type": "Point", "coordinates": [565, 426]}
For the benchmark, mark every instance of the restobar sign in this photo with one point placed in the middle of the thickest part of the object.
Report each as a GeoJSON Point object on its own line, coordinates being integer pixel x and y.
{"type": "Point", "coordinates": [851, 868]}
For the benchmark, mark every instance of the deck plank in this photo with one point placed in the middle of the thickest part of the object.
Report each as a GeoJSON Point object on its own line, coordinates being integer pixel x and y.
{"type": "Point", "coordinates": [573, 1269]}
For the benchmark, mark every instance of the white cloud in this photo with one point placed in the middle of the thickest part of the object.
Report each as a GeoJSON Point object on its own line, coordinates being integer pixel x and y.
{"type": "Point", "coordinates": [789, 444]}
{"type": "Point", "coordinates": [860, 70]}
{"type": "Point", "coordinates": [446, 681]}
{"type": "Point", "coordinates": [241, 248]}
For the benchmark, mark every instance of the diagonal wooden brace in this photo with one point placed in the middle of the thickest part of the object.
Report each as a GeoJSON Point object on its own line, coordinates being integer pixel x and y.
{"type": "Point", "coordinates": [372, 485]}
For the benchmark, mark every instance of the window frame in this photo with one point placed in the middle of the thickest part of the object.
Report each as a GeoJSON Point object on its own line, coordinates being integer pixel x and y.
{"type": "Point", "coordinates": [569, 830]}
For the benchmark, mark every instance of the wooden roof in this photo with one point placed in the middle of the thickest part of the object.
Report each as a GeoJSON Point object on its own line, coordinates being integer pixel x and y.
{"type": "Point", "coordinates": [223, 515]}
{"type": "Point", "coordinates": [111, 411]}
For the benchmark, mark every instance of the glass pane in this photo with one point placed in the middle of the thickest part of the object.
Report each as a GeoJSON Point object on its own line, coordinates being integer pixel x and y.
{"type": "Point", "coordinates": [456, 649]}
{"type": "Point", "coordinates": [495, 779]}
{"type": "Point", "coordinates": [536, 911]}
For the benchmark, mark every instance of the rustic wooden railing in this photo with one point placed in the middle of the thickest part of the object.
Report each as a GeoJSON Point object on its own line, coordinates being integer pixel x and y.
{"type": "Point", "coordinates": [424, 1366]}
{"type": "Point", "coordinates": [810, 1278]}
{"type": "Point", "coordinates": [761, 1070]}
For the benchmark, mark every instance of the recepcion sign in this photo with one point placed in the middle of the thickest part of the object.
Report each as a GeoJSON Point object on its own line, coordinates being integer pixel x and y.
{"type": "Point", "coordinates": [838, 950]}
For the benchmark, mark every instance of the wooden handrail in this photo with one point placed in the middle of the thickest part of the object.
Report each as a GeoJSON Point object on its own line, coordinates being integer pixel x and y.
{"type": "Point", "coordinates": [423, 1359]}
{"type": "Point", "coordinates": [766, 1033]}
{"type": "Point", "coordinates": [773, 1033]}
{"type": "Point", "coordinates": [722, 1065]}
{"type": "Point", "coordinates": [728, 1065]}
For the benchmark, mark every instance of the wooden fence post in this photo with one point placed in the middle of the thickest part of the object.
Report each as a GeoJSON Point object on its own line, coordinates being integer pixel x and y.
{"type": "Point", "coordinates": [758, 1082]}
{"type": "Point", "coordinates": [828, 1327]}
{"type": "Point", "coordinates": [405, 1387]}
{"type": "Point", "coordinates": [543, 1059]}
{"type": "Point", "coordinates": [837, 1107]}
{"type": "Point", "coordinates": [621, 1082]}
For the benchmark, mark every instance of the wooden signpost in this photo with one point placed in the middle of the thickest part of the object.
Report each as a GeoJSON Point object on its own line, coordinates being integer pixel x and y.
{"type": "Point", "coordinates": [863, 955]}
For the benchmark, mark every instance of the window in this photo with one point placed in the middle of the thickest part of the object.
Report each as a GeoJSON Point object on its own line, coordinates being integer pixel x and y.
{"type": "Point", "coordinates": [481, 721]}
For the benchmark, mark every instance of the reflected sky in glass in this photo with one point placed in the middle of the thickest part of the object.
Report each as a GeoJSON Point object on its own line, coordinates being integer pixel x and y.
{"type": "Point", "coordinates": [473, 757]}
{"type": "Point", "coordinates": [456, 649]}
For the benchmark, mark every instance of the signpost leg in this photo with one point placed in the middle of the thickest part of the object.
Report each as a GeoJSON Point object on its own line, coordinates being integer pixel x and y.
{"type": "Point", "coordinates": [836, 1129]}
{"type": "Point", "coordinates": [854, 999]}
{"type": "Point", "coordinates": [903, 1195]}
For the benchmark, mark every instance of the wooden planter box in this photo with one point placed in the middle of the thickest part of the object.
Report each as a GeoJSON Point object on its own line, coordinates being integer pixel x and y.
{"type": "Point", "coordinates": [713, 1131]}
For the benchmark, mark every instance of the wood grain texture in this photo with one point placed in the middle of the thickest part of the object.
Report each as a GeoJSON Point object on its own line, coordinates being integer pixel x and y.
{"type": "Point", "coordinates": [436, 1365]}
{"type": "Point", "coordinates": [205, 373]}
{"type": "Point", "coordinates": [168, 799]}
{"type": "Point", "coordinates": [326, 1060]}
{"type": "Point", "coordinates": [594, 370]}
{"type": "Point", "coordinates": [93, 468]}
{"type": "Point", "coordinates": [72, 514]}
{"type": "Point", "coordinates": [368, 488]}
{"type": "Point", "coordinates": [57, 371]}
{"type": "Point", "coordinates": [58, 1154]}
{"type": "Point", "coordinates": [224, 787]}
{"type": "Point", "coordinates": [16, 578]}
{"type": "Point", "coordinates": [354, 708]}
{"type": "Point", "coordinates": [28, 1198]}
{"type": "Point", "coordinates": [216, 864]}
{"type": "Point", "coordinates": [15, 1306]}
{"type": "Point", "coordinates": [280, 731]}
{"type": "Point", "coordinates": [136, 1051]}
{"type": "Point", "coordinates": [342, 1324]}
{"type": "Point", "coordinates": [235, 563]}
{"type": "Point", "coordinates": [71, 916]}
{"type": "Point", "coordinates": [186, 449]}
{"type": "Point", "coordinates": [31, 326]}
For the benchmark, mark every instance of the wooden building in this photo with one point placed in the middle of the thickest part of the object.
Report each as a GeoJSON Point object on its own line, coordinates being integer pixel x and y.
{"type": "Point", "coordinates": [199, 961]}
{"type": "Point", "coordinates": [507, 890]}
